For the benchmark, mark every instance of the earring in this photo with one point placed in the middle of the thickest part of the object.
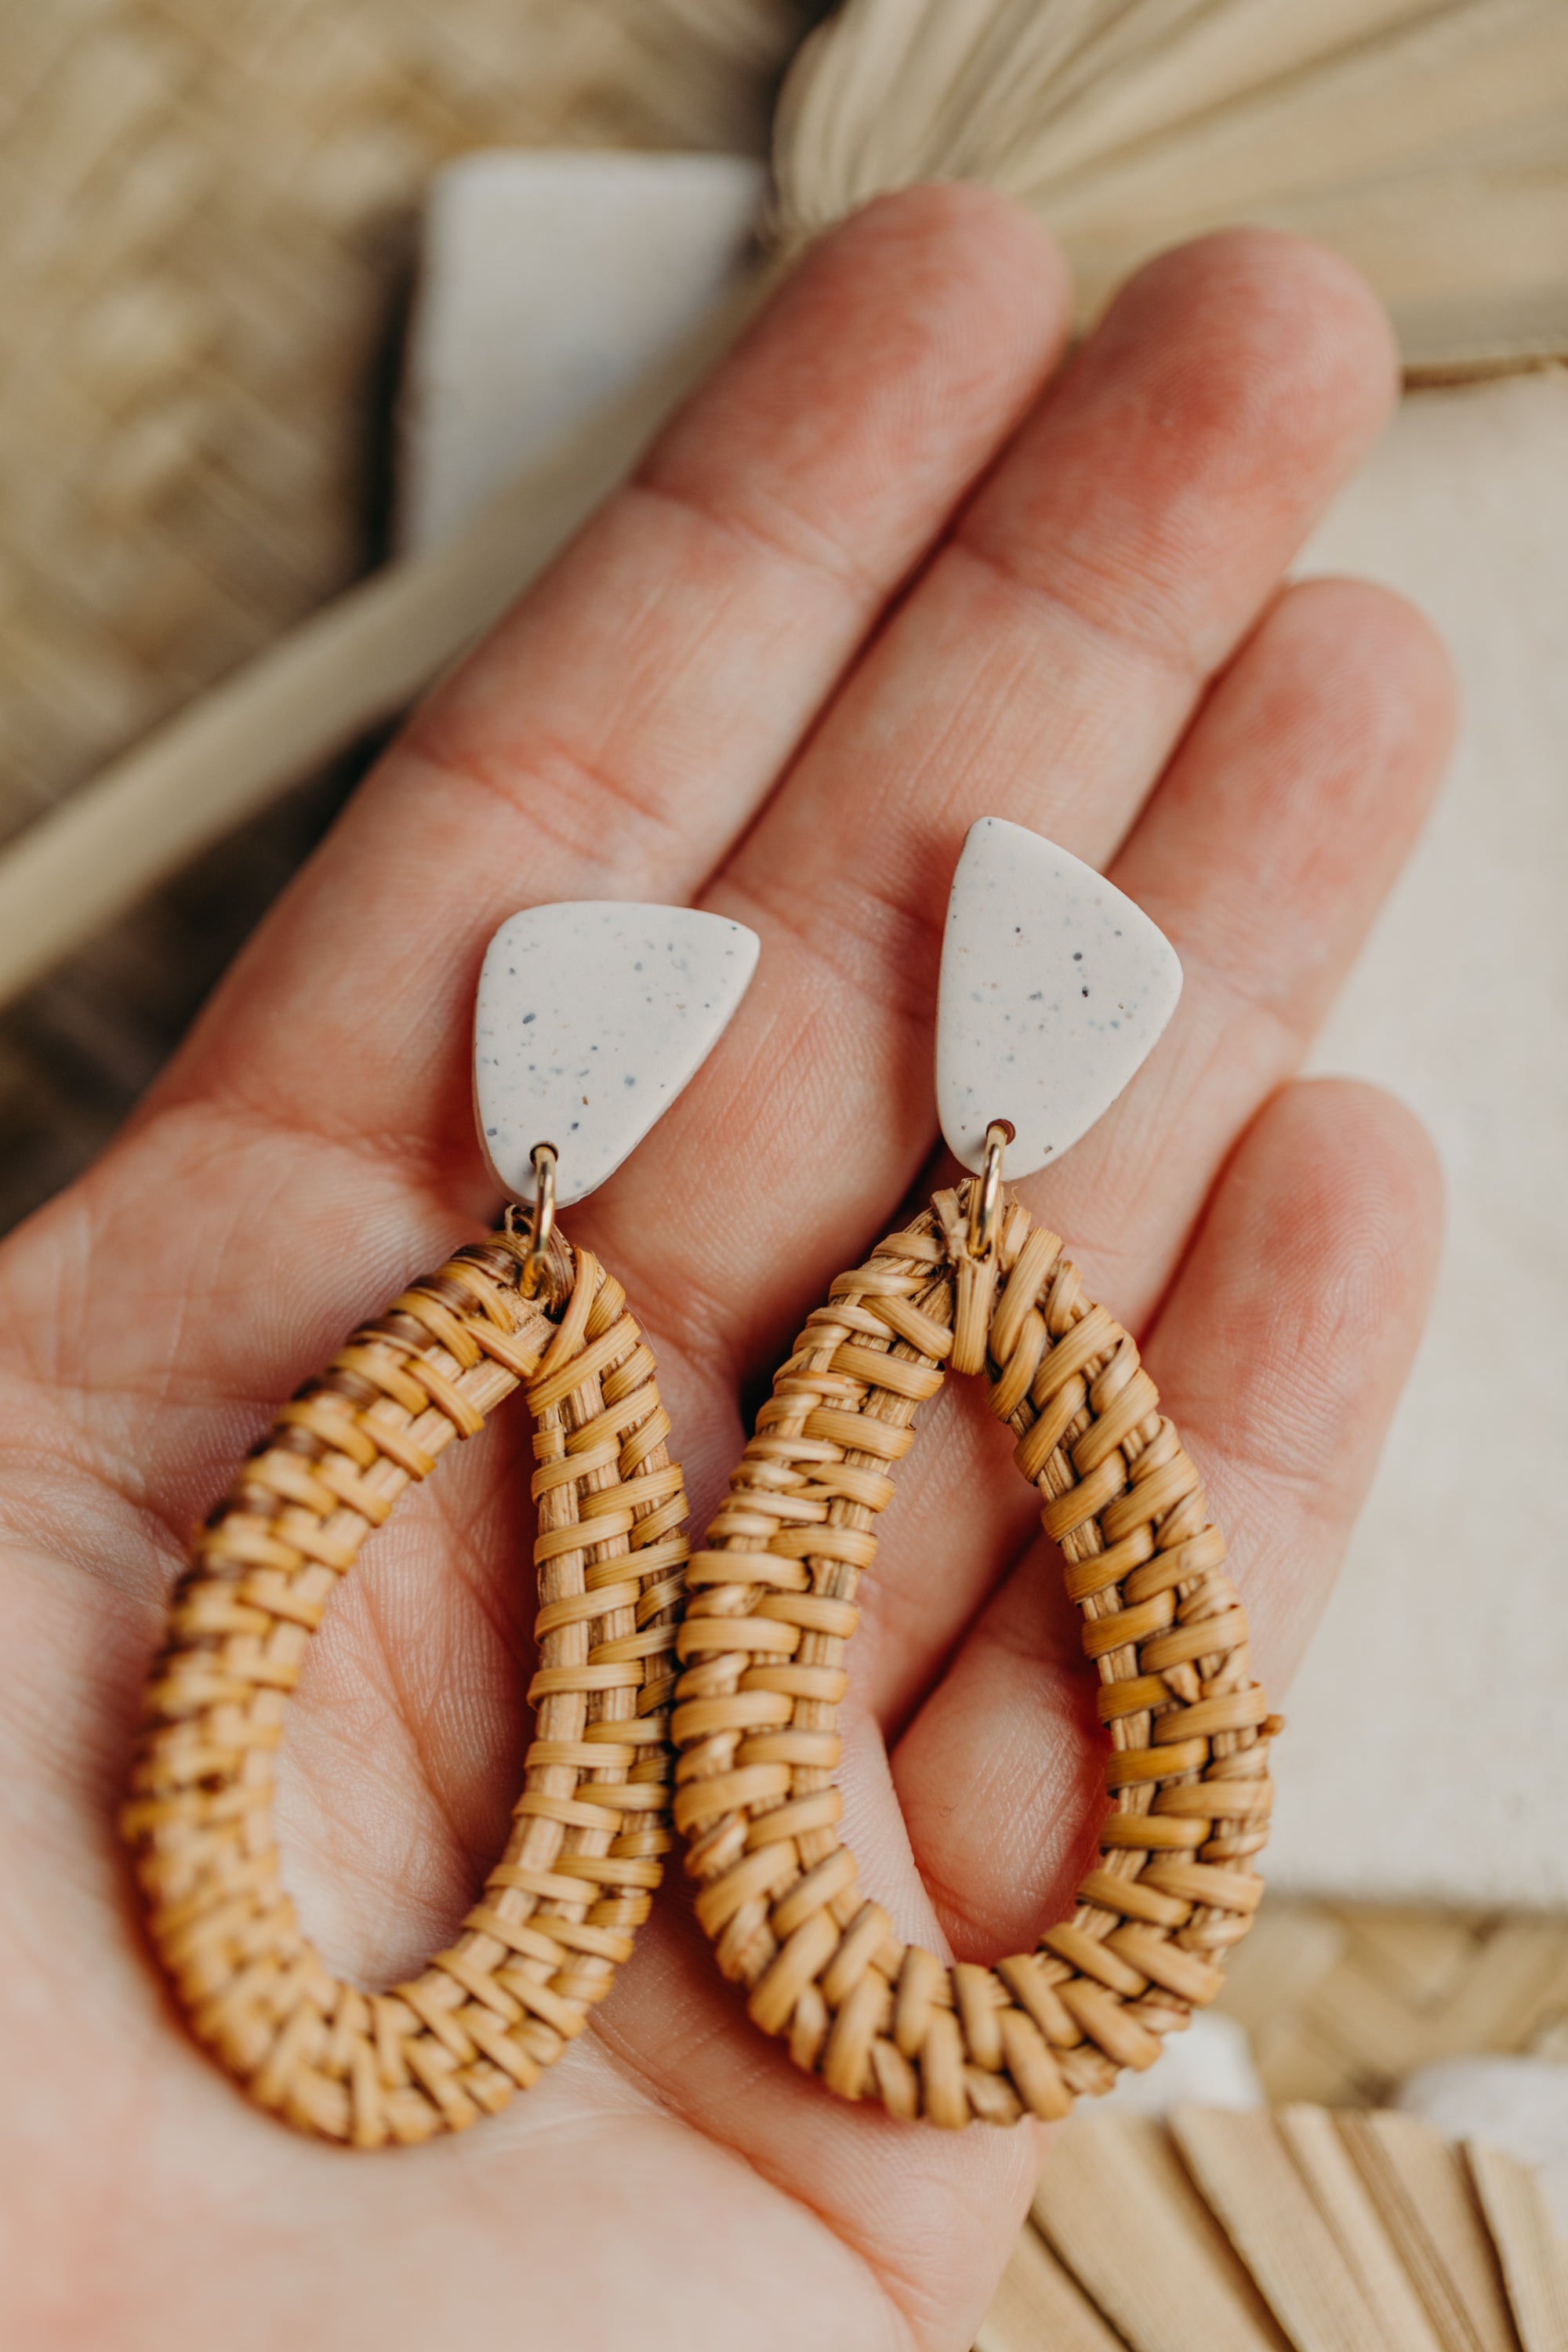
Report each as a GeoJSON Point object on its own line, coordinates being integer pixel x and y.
{"type": "Point", "coordinates": [590, 1020]}
{"type": "Point", "coordinates": [1054, 988]}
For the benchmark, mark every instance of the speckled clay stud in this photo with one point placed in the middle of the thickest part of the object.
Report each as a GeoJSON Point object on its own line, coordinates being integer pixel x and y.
{"type": "Point", "coordinates": [1054, 988]}
{"type": "Point", "coordinates": [591, 1019]}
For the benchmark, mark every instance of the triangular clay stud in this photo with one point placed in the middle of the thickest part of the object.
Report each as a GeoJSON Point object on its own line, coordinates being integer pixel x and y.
{"type": "Point", "coordinates": [1054, 989]}
{"type": "Point", "coordinates": [591, 1018]}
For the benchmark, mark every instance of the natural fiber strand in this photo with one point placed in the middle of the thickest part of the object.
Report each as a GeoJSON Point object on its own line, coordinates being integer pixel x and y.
{"type": "Point", "coordinates": [1318, 2150]}
{"type": "Point", "coordinates": [1534, 2260]}
{"type": "Point", "coordinates": [558, 1912]}
{"type": "Point", "coordinates": [762, 1641]}
{"type": "Point", "coordinates": [1425, 2198]}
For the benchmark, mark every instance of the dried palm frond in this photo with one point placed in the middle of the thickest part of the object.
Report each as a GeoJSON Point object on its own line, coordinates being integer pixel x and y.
{"type": "Point", "coordinates": [1427, 140]}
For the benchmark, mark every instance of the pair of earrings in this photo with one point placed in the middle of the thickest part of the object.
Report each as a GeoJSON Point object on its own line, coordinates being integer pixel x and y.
{"type": "Point", "coordinates": [704, 1689]}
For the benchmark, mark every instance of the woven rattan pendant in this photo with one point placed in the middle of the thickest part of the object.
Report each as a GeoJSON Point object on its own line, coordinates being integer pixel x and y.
{"type": "Point", "coordinates": [1054, 987]}
{"type": "Point", "coordinates": [645, 990]}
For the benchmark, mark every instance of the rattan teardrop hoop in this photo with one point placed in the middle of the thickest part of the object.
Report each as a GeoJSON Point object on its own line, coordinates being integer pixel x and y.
{"type": "Point", "coordinates": [558, 1912]}
{"type": "Point", "coordinates": [772, 1607]}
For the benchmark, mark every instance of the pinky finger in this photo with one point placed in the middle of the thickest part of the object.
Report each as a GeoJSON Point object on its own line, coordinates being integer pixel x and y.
{"type": "Point", "coordinates": [1279, 1352]}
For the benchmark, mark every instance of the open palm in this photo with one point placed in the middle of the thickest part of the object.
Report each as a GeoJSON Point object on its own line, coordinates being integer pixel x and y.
{"type": "Point", "coordinates": [890, 571]}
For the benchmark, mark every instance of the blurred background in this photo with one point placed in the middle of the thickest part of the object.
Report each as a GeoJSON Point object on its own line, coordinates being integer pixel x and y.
{"type": "Point", "coordinates": [210, 214]}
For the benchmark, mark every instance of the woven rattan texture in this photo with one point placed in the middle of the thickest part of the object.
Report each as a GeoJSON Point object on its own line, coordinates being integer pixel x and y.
{"type": "Point", "coordinates": [558, 1912]}
{"type": "Point", "coordinates": [210, 210]}
{"type": "Point", "coordinates": [1343, 2002]}
{"type": "Point", "coordinates": [763, 1641]}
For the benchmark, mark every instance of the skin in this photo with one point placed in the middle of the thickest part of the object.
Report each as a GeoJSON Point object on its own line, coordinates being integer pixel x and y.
{"type": "Point", "coordinates": [892, 569]}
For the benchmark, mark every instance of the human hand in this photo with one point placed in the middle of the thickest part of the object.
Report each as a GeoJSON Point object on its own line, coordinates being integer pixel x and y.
{"type": "Point", "coordinates": [889, 572]}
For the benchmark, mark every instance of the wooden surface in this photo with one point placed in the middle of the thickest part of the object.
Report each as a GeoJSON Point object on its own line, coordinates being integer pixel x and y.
{"type": "Point", "coordinates": [209, 212]}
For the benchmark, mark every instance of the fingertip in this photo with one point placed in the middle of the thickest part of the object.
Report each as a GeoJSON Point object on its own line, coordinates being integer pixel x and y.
{"type": "Point", "coordinates": [1252, 370]}
{"type": "Point", "coordinates": [1391, 669]}
{"type": "Point", "coordinates": [903, 347]}
{"type": "Point", "coordinates": [1326, 1232]}
{"type": "Point", "coordinates": [996, 248]}
{"type": "Point", "coordinates": [1279, 318]}
{"type": "Point", "coordinates": [1336, 721]}
{"type": "Point", "coordinates": [1225, 393]}
{"type": "Point", "coordinates": [1365, 1166]}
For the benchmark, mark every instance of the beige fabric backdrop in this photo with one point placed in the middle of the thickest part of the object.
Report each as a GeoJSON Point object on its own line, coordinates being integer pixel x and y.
{"type": "Point", "coordinates": [1428, 1752]}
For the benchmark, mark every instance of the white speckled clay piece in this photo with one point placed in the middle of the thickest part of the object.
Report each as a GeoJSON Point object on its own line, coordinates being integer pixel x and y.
{"type": "Point", "coordinates": [591, 1018]}
{"type": "Point", "coordinates": [1054, 988]}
